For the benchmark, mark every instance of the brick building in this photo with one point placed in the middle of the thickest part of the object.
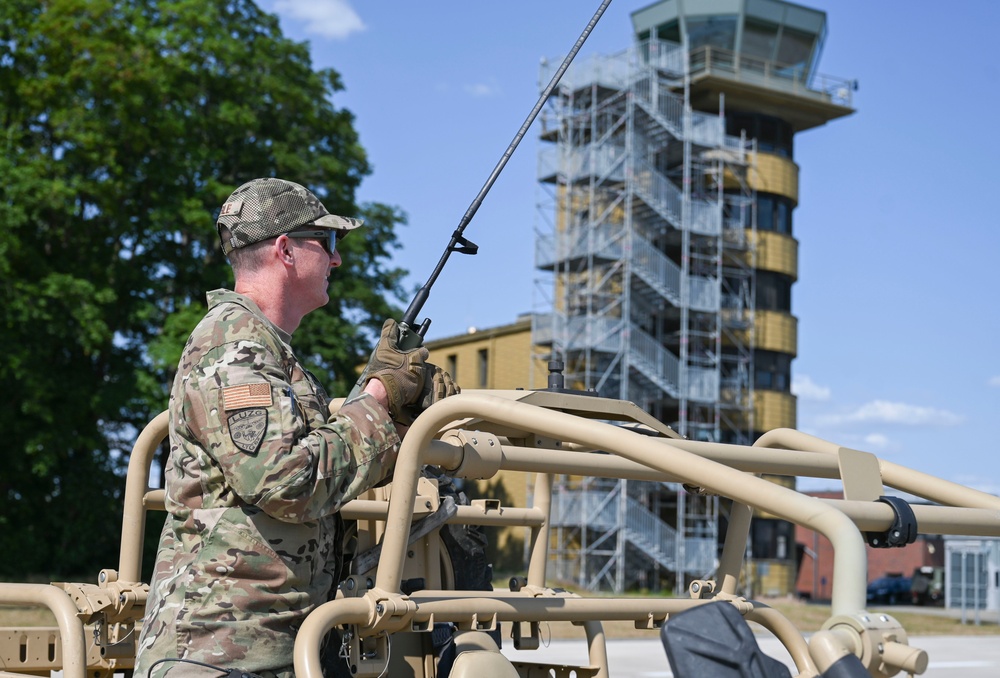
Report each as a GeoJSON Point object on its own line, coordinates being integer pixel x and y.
{"type": "Point", "coordinates": [815, 558]}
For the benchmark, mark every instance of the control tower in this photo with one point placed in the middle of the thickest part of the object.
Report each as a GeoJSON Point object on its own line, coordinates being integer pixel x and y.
{"type": "Point", "coordinates": [755, 63]}
{"type": "Point", "coordinates": [669, 188]}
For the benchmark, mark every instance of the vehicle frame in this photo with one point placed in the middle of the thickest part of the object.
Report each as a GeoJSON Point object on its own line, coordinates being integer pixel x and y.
{"type": "Point", "coordinates": [474, 436]}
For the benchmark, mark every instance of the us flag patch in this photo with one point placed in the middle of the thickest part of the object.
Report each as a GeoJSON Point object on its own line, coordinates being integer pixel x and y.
{"type": "Point", "coordinates": [246, 395]}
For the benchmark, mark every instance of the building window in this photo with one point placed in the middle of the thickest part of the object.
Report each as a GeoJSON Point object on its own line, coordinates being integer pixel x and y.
{"type": "Point", "coordinates": [771, 537]}
{"type": "Point", "coordinates": [453, 366]}
{"type": "Point", "coordinates": [773, 292]}
{"type": "Point", "coordinates": [773, 135]}
{"type": "Point", "coordinates": [772, 371]}
{"type": "Point", "coordinates": [765, 213]}
{"type": "Point", "coordinates": [669, 31]}
{"type": "Point", "coordinates": [484, 367]}
{"type": "Point", "coordinates": [782, 217]}
{"type": "Point", "coordinates": [795, 51]}
{"type": "Point", "coordinates": [736, 210]}
{"type": "Point", "coordinates": [774, 213]}
{"type": "Point", "coordinates": [759, 39]}
{"type": "Point", "coordinates": [712, 31]}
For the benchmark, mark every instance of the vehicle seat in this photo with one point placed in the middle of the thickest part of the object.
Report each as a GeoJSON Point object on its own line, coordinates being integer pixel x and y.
{"type": "Point", "coordinates": [478, 656]}
{"type": "Point", "coordinates": [714, 640]}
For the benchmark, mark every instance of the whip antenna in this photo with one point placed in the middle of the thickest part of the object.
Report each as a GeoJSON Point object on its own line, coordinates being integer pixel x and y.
{"type": "Point", "coordinates": [410, 338]}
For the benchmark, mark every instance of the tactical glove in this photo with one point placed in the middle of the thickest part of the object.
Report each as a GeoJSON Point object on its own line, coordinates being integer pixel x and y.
{"type": "Point", "coordinates": [401, 372]}
{"type": "Point", "coordinates": [438, 385]}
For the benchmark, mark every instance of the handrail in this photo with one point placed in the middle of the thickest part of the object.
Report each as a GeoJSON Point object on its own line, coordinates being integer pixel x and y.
{"type": "Point", "coordinates": [795, 78]}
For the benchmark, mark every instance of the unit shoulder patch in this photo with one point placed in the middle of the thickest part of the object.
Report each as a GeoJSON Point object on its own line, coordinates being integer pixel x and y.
{"type": "Point", "coordinates": [247, 428]}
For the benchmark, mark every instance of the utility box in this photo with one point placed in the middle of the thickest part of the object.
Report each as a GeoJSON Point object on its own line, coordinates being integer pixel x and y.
{"type": "Point", "coordinates": [972, 575]}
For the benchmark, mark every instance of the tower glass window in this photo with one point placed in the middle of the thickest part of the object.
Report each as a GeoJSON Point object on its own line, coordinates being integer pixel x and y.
{"type": "Point", "coordinates": [772, 371]}
{"type": "Point", "coordinates": [669, 31]}
{"type": "Point", "coordinates": [794, 51]}
{"type": "Point", "coordinates": [736, 211]}
{"type": "Point", "coordinates": [759, 39]}
{"type": "Point", "coordinates": [713, 31]}
{"type": "Point", "coordinates": [774, 213]}
{"type": "Point", "coordinates": [774, 292]}
{"type": "Point", "coordinates": [765, 212]}
{"type": "Point", "coordinates": [782, 217]}
{"type": "Point", "coordinates": [773, 135]}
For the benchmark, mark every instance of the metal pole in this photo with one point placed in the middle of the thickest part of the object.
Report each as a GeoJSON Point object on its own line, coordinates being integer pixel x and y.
{"type": "Point", "coordinates": [962, 587]}
{"type": "Point", "coordinates": [815, 558]}
{"type": "Point", "coordinates": [977, 565]}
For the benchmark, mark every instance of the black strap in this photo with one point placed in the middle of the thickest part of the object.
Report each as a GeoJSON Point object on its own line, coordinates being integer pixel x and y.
{"type": "Point", "coordinates": [903, 530]}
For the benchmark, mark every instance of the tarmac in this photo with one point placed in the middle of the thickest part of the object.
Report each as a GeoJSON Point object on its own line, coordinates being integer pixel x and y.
{"type": "Point", "coordinates": [950, 656]}
{"type": "Point", "coordinates": [973, 656]}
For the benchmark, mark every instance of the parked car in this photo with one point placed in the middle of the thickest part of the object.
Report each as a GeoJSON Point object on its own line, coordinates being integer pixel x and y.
{"type": "Point", "coordinates": [890, 590]}
{"type": "Point", "coordinates": [928, 586]}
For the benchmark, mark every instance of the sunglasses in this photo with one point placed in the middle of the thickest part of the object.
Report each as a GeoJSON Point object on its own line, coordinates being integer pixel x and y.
{"type": "Point", "coordinates": [329, 237]}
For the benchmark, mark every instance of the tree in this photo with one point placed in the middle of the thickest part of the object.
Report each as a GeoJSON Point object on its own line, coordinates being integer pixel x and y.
{"type": "Point", "coordinates": [125, 124]}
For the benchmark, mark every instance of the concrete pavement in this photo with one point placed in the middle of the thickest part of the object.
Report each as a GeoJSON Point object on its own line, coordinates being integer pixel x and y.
{"type": "Point", "coordinates": [950, 656]}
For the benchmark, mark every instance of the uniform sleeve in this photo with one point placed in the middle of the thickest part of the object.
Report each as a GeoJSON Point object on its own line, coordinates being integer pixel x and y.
{"type": "Point", "coordinates": [246, 415]}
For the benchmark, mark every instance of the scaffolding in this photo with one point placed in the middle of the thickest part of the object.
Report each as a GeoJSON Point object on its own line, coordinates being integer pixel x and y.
{"type": "Point", "coordinates": [648, 253]}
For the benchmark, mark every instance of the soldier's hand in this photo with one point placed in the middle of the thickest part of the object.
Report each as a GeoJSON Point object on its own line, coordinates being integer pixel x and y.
{"type": "Point", "coordinates": [402, 372]}
{"type": "Point", "coordinates": [438, 385]}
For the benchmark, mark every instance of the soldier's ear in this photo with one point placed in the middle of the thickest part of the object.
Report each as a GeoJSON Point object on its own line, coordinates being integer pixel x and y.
{"type": "Point", "coordinates": [282, 250]}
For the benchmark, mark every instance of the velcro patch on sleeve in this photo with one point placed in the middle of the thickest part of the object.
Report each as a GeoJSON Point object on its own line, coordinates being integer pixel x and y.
{"type": "Point", "coordinates": [246, 395]}
{"type": "Point", "coordinates": [247, 429]}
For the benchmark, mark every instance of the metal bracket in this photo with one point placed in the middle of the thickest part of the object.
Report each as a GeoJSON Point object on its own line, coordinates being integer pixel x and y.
{"type": "Point", "coordinates": [463, 245]}
{"type": "Point", "coordinates": [364, 562]}
{"type": "Point", "coordinates": [701, 588]}
{"type": "Point", "coordinates": [532, 641]}
{"type": "Point", "coordinates": [903, 530]}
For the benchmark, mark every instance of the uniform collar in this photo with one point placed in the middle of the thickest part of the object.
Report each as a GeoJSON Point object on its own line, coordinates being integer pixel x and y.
{"type": "Point", "coordinates": [224, 296]}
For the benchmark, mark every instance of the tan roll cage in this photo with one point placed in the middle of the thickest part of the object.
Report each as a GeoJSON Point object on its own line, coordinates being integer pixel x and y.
{"type": "Point", "coordinates": [480, 433]}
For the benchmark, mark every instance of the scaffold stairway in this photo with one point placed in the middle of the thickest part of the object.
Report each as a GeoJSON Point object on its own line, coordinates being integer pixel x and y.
{"type": "Point", "coordinates": [654, 361]}
{"type": "Point", "coordinates": [656, 269]}
{"type": "Point", "coordinates": [598, 511]}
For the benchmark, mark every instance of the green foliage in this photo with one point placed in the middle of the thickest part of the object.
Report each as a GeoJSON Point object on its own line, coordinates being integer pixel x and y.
{"type": "Point", "coordinates": [124, 126]}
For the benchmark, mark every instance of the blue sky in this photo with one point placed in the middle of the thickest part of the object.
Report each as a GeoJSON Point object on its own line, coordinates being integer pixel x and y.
{"type": "Point", "coordinates": [897, 295]}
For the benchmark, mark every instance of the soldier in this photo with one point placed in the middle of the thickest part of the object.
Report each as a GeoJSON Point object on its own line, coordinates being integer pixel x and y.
{"type": "Point", "coordinates": [258, 468]}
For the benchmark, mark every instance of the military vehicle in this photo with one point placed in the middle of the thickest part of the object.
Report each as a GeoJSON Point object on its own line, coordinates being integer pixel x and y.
{"type": "Point", "coordinates": [411, 564]}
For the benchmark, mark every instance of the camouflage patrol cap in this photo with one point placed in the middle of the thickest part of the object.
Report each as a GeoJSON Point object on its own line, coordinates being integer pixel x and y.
{"type": "Point", "coordinates": [266, 208]}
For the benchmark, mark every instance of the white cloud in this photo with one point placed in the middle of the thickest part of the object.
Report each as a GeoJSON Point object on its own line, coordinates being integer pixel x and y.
{"type": "Point", "coordinates": [995, 381]}
{"type": "Point", "coordinates": [807, 389]}
{"type": "Point", "coordinates": [877, 441]}
{"type": "Point", "coordinates": [886, 412]}
{"type": "Point", "coordinates": [482, 89]}
{"type": "Point", "coordinates": [329, 18]}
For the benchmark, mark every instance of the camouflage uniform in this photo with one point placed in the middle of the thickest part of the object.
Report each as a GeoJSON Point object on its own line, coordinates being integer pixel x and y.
{"type": "Point", "coordinates": [256, 473]}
